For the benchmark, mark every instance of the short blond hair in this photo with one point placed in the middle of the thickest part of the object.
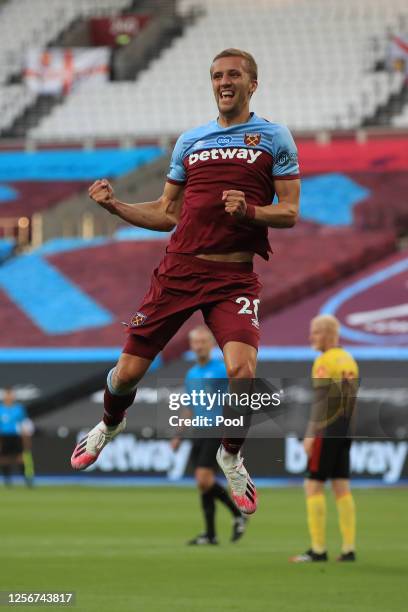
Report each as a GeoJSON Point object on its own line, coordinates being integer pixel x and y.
{"type": "Point", "coordinates": [251, 65]}
{"type": "Point", "coordinates": [329, 323]}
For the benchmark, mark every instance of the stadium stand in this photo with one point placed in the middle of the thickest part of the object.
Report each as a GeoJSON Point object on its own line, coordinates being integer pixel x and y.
{"type": "Point", "coordinates": [352, 208]}
{"type": "Point", "coordinates": [25, 24]}
{"type": "Point", "coordinates": [71, 302]}
{"type": "Point", "coordinates": [323, 73]}
{"type": "Point", "coordinates": [389, 188]}
{"type": "Point", "coordinates": [345, 184]}
{"type": "Point", "coordinates": [33, 197]}
{"type": "Point", "coordinates": [7, 246]}
{"type": "Point", "coordinates": [13, 100]}
{"type": "Point", "coordinates": [368, 304]}
{"type": "Point", "coordinates": [401, 120]}
{"type": "Point", "coordinates": [364, 185]}
{"type": "Point", "coordinates": [34, 182]}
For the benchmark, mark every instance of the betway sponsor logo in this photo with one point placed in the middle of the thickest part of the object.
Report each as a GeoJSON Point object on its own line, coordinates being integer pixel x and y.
{"type": "Point", "coordinates": [248, 154]}
{"type": "Point", "coordinates": [380, 458]}
{"type": "Point", "coordinates": [126, 453]}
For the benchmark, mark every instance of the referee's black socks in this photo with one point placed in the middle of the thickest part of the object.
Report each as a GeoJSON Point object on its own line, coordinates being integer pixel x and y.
{"type": "Point", "coordinates": [219, 492]}
{"type": "Point", "coordinates": [208, 505]}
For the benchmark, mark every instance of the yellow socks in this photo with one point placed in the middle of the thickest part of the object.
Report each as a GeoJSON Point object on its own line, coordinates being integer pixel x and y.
{"type": "Point", "coordinates": [316, 520]}
{"type": "Point", "coordinates": [347, 521]}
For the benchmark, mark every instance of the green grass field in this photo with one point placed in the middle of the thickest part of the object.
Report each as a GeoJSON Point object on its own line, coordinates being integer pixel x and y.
{"type": "Point", "coordinates": [124, 549]}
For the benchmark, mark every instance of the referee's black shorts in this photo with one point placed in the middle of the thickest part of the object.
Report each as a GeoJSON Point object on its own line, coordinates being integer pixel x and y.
{"type": "Point", "coordinates": [203, 452]}
{"type": "Point", "coordinates": [330, 459]}
{"type": "Point", "coordinates": [10, 446]}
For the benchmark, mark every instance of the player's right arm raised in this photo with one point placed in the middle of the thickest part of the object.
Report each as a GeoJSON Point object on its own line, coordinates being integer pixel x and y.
{"type": "Point", "coordinates": [161, 215]}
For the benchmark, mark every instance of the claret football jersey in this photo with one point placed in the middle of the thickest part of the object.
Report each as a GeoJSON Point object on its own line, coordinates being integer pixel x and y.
{"type": "Point", "coordinates": [210, 159]}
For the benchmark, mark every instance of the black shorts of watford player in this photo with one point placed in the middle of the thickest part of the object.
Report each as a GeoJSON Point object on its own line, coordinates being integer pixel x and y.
{"type": "Point", "coordinates": [327, 440]}
{"type": "Point", "coordinates": [218, 195]}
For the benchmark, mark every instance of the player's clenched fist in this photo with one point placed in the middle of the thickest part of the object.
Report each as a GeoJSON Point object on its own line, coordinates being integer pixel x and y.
{"type": "Point", "coordinates": [235, 203]}
{"type": "Point", "coordinates": [102, 192]}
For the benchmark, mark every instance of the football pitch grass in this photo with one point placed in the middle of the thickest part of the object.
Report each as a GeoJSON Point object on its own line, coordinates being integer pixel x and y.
{"type": "Point", "coordinates": [124, 549]}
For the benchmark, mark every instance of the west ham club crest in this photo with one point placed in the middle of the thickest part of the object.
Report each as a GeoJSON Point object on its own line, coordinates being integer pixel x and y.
{"type": "Point", "coordinates": [252, 140]}
{"type": "Point", "coordinates": [138, 319]}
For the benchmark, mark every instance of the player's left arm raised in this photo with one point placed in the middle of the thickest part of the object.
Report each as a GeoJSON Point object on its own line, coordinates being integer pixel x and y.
{"type": "Point", "coordinates": [286, 212]}
{"type": "Point", "coordinates": [285, 175]}
{"type": "Point", "coordinates": [283, 214]}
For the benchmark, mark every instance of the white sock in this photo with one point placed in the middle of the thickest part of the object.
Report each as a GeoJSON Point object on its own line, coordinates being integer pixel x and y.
{"type": "Point", "coordinates": [230, 458]}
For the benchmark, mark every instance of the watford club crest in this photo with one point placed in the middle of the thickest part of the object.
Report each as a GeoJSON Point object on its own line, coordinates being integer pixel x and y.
{"type": "Point", "coordinates": [138, 319]}
{"type": "Point", "coordinates": [252, 140]}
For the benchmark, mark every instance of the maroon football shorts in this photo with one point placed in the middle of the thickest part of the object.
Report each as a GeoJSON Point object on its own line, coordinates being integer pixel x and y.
{"type": "Point", "coordinates": [226, 293]}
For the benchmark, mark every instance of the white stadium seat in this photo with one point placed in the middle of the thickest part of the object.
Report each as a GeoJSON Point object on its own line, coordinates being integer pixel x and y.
{"type": "Point", "coordinates": [316, 62]}
{"type": "Point", "coordinates": [35, 23]}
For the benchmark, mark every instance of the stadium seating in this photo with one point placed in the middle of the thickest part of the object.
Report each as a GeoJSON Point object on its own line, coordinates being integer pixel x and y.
{"type": "Point", "coordinates": [33, 181]}
{"type": "Point", "coordinates": [25, 24]}
{"type": "Point", "coordinates": [387, 205]}
{"type": "Point", "coordinates": [33, 196]}
{"type": "Point", "coordinates": [68, 297]}
{"type": "Point", "coordinates": [352, 206]}
{"type": "Point", "coordinates": [401, 120]}
{"type": "Point", "coordinates": [375, 290]}
{"type": "Point", "coordinates": [316, 58]}
{"type": "Point", "coordinates": [7, 246]}
{"type": "Point", "coordinates": [13, 101]}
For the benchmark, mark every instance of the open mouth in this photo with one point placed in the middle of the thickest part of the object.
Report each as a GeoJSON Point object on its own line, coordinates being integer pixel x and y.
{"type": "Point", "coordinates": [227, 94]}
